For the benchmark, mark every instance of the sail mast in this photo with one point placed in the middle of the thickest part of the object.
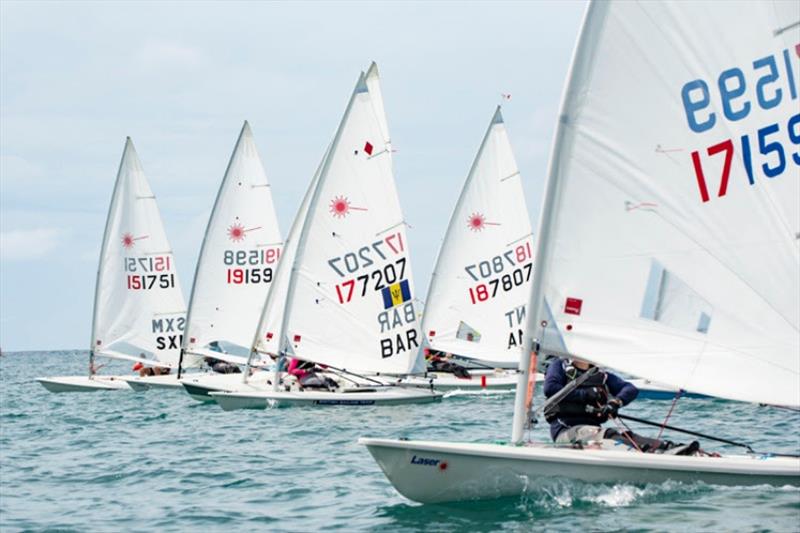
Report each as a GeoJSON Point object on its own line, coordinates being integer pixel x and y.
{"type": "Point", "coordinates": [245, 128]}
{"type": "Point", "coordinates": [497, 118]}
{"type": "Point", "coordinates": [581, 57]}
{"type": "Point", "coordinates": [286, 256]}
{"type": "Point", "coordinates": [301, 241]}
{"type": "Point", "coordinates": [112, 205]}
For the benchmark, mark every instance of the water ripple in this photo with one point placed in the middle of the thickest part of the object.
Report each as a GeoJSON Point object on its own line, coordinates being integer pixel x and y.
{"type": "Point", "coordinates": [161, 461]}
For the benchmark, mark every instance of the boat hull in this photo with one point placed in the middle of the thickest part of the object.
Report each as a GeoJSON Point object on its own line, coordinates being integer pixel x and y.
{"type": "Point", "coordinates": [431, 472]}
{"type": "Point", "coordinates": [200, 386]}
{"type": "Point", "coordinates": [145, 383]}
{"type": "Point", "coordinates": [230, 401]}
{"type": "Point", "coordinates": [84, 383]}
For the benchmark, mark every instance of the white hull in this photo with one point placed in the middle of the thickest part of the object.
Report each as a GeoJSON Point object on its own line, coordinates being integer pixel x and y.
{"type": "Point", "coordinates": [199, 386]}
{"type": "Point", "coordinates": [491, 380]}
{"type": "Point", "coordinates": [84, 383]}
{"type": "Point", "coordinates": [430, 472]}
{"type": "Point", "coordinates": [230, 401]}
{"type": "Point", "coordinates": [145, 383]}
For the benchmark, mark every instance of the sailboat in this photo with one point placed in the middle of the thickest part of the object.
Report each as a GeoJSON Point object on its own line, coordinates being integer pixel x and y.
{"type": "Point", "coordinates": [264, 344]}
{"type": "Point", "coordinates": [348, 300]}
{"type": "Point", "coordinates": [198, 386]}
{"type": "Point", "coordinates": [235, 268]}
{"type": "Point", "coordinates": [139, 311]}
{"type": "Point", "coordinates": [480, 285]}
{"type": "Point", "coordinates": [668, 241]}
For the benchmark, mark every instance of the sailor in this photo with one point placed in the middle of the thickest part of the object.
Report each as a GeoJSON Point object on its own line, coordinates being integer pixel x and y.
{"type": "Point", "coordinates": [217, 365]}
{"type": "Point", "coordinates": [299, 368]}
{"type": "Point", "coordinates": [438, 361]}
{"type": "Point", "coordinates": [308, 377]}
{"type": "Point", "coordinates": [150, 370]}
{"type": "Point", "coordinates": [577, 419]}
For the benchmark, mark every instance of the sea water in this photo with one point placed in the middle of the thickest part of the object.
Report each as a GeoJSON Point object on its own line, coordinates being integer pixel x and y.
{"type": "Point", "coordinates": [159, 461]}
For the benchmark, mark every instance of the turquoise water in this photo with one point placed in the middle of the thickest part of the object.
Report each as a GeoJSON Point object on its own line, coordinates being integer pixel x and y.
{"type": "Point", "coordinates": [161, 461]}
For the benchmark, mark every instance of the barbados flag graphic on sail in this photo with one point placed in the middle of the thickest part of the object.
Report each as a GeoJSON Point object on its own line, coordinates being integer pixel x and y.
{"type": "Point", "coordinates": [396, 294]}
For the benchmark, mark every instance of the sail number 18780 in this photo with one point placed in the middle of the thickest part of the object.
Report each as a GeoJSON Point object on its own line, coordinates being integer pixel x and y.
{"type": "Point", "coordinates": [506, 283]}
{"type": "Point", "coordinates": [498, 263]}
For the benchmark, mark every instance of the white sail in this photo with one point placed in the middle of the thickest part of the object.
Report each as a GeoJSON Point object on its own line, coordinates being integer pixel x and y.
{"type": "Point", "coordinates": [481, 283]}
{"type": "Point", "coordinates": [373, 81]}
{"type": "Point", "coordinates": [139, 311]}
{"type": "Point", "coordinates": [672, 216]}
{"type": "Point", "coordinates": [350, 298]}
{"type": "Point", "coordinates": [267, 339]}
{"type": "Point", "coordinates": [238, 257]}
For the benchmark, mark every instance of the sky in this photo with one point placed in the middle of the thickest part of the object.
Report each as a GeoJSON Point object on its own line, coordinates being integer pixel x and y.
{"type": "Point", "coordinates": [180, 78]}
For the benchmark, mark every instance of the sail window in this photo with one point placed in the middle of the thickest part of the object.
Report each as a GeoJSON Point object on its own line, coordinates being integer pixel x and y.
{"type": "Point", "coordinates": [467, 333]}
{"type": "Point", "coordinates": [672, 302]}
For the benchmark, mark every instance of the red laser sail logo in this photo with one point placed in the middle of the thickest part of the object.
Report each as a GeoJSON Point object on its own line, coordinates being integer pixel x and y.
{"type": "Point", "coordinates": [237, 232]}
{"type": "Point", "coordinates": [477, 222]}
{"type": "Point", "coordinates": [340, 207]}
{"type": "Point", "coordinates": [128, 240]}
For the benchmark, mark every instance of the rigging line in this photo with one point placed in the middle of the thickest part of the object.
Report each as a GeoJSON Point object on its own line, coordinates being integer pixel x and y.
{"type": "Point", "coordinates": [669, 414]}
{"type": "Point", "coordinates": [785, 407]}
{"type": "Point", "coordinates": [626, 432]}
{"type": "Point", "coordinates": [710, 437]}
{"type": "Point", "coordinates": [376, 384]}
{"type": "Point", "coordinates": [467, 360]}
{"type": "Point", "coordinates": [351, 380]}
{"type": "Point", "coordinates": [697, 359]}
{"type": "Point", "coordinates": [688, 432]}
{"type": "Point", "coordinates": [344, 371]}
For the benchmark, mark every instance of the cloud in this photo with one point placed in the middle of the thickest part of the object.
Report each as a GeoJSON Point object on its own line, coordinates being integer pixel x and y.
{"type": "Point", "coordinates": [23, 245]}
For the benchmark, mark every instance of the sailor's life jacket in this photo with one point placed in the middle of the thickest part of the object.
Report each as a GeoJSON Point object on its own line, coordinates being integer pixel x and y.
{"type": "Point", "coordinates": [592, 393]}
{"type": "Point", "coordinates": [585, 401]}
{"type": "Point", "coordinates": [305, 365]}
